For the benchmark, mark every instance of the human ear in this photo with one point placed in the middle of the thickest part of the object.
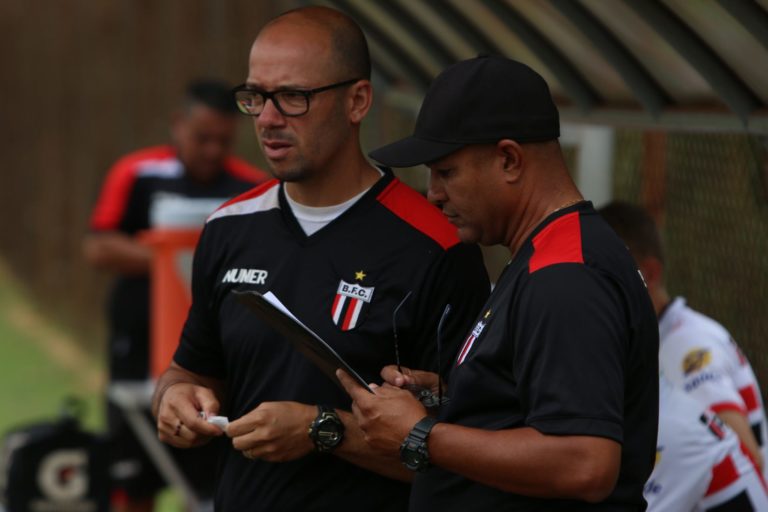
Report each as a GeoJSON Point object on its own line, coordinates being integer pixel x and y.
{"type": "Point", "coordinates": [359, 100]}
{"type": "Point", "coordinates": [511, 155]}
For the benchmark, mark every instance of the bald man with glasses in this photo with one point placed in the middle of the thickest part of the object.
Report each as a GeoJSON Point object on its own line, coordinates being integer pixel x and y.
{"type": "Point", "coordinates": [356, 255]}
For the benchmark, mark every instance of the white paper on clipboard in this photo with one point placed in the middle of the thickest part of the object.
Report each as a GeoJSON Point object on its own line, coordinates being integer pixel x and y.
{"type": "Point", "coordinates": [272, 312]}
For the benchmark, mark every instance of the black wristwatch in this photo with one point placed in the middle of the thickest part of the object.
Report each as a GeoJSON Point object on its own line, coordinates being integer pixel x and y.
{"type": "Point", "coordinates": [413, 452]}
{"type": "Point", "coordinates": [327, 430]}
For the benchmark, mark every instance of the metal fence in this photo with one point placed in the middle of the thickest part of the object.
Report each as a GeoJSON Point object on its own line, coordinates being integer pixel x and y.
{"type": "Point", "coordinates": [709, 193]}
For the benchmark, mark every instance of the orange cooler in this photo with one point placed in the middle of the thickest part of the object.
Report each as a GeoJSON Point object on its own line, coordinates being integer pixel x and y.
{"type": "Point", "coordinates": [170, 291]}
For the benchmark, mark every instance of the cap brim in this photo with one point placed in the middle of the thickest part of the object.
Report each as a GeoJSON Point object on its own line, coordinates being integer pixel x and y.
{"type": "Point", "coordinates": [412, 151]}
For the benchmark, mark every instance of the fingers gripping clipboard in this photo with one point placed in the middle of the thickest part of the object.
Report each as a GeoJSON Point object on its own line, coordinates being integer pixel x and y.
{"type": "Point", "coordinates": [272, 312]}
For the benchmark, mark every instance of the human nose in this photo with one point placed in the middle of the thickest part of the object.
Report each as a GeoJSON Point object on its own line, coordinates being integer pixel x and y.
{"type": "Point", "coordinates": [270, 115]}
{"type": "Point", "coordinates": [435, 190]}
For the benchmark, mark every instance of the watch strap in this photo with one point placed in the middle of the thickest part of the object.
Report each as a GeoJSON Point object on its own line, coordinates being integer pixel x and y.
{"type": "Point", "coordinates": [413, 452]}
{"type": "Point", "coordinates": [422, 428]}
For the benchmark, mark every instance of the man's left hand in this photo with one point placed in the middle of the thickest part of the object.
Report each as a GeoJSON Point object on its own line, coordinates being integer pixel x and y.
{"type": "Point", "coordinates": [386, 416]}
{"type": "Point", "coordinates": [274, 431]}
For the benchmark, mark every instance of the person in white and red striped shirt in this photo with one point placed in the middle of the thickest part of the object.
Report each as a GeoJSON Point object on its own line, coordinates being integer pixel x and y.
{"type": "Point", "coordinates": [700, 463]}
{"type": "Point", "coordinates": [696, 354]}
{"type": "Point", "coordinates": [699, 356]}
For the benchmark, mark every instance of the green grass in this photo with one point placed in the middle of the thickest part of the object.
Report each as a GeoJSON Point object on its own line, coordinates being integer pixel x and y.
{"type": "Point", "coordinates": [41, 365]}
{"type": "Point", "coordinates": [33, 383]}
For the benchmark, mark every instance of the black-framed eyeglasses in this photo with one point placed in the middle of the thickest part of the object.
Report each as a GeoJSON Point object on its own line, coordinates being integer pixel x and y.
{"type": "Point", "coordinates": [289, 102]}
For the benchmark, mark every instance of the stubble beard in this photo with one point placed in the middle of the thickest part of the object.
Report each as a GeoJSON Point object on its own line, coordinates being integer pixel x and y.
{"type": "Point", "coordinates": [289, 171]}
{"type": "Point", "coordinates": [294, 174]}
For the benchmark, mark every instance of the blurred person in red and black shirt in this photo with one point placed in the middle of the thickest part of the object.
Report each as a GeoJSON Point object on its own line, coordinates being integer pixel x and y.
{"type": "Point", "coordinates": [171, 185]}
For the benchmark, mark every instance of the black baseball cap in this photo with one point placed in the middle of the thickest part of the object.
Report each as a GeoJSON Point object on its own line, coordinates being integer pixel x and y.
{"type": "Point", "coordinates": [476, 101]}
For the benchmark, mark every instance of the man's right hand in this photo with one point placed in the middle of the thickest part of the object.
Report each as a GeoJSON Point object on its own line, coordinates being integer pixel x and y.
{"type": "Point", "coordinates": [179, 422]}
{"type": "Point", "coordinates": [407, 377]}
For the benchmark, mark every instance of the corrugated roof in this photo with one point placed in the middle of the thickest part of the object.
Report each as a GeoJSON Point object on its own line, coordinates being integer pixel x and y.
{"type": "Point", "coordinates": [699, 64]}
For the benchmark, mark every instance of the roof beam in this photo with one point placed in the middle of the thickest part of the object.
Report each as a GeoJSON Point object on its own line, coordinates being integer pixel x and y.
{"type": "Point", "coordinates": [476, 38]}
{"type": "Point", "coordinates": [421, 33]}
{"type": "Point", "coordinates": [387, 74]}
{"type": "Point", "coordinates": [751, 15]}
{"type": "Point", "coordinates": [580, 90]}
{"type": "Point", "coordinates": [640, 82]}
{"type": "Point", "coordinates": [720, 77]}
{"type": "Point", "coordinates": [417, 74]}
{"type": "Point", "coordinates": [381, 60]}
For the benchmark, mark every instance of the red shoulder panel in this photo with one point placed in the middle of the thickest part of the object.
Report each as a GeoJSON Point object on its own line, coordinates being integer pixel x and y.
{"type": "Point", "coordinates": [250, 194]}
{"type": "Point", "coordinates": [118, 184]}
{"type": "Point", "coordinates": [560, 242]}
{"type": "Point", "coordinates": [243, 170]}
{"type": "Point", "coordinates": [414, 209]}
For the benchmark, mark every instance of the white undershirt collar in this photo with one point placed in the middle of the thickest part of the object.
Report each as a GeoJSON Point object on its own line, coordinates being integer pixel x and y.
{"type": "Point", "coordinates": [314, 218]}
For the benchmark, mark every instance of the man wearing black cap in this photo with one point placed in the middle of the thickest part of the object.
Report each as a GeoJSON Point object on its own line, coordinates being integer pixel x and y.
{"type": "Point", "coordinates": [553, 396]}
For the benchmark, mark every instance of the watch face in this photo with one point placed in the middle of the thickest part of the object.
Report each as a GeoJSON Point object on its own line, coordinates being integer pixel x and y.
{"type": "Point", "coordinates": [328, 431]}
{"type": "Point", "coordinates": [411, 458]}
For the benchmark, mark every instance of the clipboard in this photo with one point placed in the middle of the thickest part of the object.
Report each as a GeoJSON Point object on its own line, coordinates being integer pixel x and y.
{"type": "Point", "coordinates": [271, 311]}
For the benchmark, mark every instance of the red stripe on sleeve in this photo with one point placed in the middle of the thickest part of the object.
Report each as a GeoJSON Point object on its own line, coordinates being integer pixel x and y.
{"type": "Point", "coordinates": [560, 242]}
{"type": "Point", "coordinates": [727, 406]}
{"type": "Point", "coordinates": [113, 199]}
{"type": "Point", "coordinates": [414, 209]}
{"type": "Point", "coordinates": [749, 395]}
{"type": "Point", "coordinates": [723, 475]}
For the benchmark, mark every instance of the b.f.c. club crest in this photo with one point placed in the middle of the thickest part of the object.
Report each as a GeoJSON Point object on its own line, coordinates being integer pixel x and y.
{"type": "Point", "coordinates": [350, 302]}
{"type": "Point", "coordinates": [476, 332]}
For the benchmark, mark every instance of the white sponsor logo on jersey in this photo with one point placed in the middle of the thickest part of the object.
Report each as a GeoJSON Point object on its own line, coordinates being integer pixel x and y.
{"type": "Point", "coordinates": [245, 275]}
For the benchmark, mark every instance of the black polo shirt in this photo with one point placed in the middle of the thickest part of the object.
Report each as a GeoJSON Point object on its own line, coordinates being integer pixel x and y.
{"type": "Point", "coordinates": [567, 344]}
{"type": "Point", "coordinates": [136, 190]}
{"type": "Point", "coordinates": [391, 242]}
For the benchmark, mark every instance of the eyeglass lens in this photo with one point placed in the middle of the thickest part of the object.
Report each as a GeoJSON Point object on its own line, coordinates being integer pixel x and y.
{"type": "Point", "coordinates": [289, 103]}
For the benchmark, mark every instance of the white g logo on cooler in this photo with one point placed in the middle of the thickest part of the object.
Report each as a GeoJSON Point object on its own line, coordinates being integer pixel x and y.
{"type": "Point", "coordinates": [63, 475]}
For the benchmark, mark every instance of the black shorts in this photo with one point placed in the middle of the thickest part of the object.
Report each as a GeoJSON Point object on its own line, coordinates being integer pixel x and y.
{"type": "Point", "coordinates": [132, 470]}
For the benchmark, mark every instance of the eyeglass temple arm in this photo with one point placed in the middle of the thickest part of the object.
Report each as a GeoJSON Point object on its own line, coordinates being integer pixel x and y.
{"type": "Point", "coordinates": [394, 329]}
{"type": "Point", "coordinates": [440, 324]}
